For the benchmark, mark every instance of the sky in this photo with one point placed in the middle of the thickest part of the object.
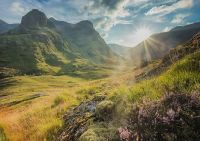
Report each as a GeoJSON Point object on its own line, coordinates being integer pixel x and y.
{"type": "Point", "coordinates": [117, 21]}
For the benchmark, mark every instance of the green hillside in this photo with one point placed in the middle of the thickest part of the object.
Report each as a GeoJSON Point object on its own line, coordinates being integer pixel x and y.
{"type": "Point", "coordinates": [162, 107]}
{"type": "Point", "coordinates": [158, 45]}
{"type": "Point", "coordinates": [37, 47]}
{"type": "Point", "coordinates": [62, 82]}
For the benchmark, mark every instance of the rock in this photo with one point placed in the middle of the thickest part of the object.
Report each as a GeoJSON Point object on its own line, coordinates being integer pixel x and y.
{"type": "Point", "coordinates": [34, 18]}
{"type": "Point", "coordinates": [105, 110]}
{"type": "Point", "coordinates": [77, 120]}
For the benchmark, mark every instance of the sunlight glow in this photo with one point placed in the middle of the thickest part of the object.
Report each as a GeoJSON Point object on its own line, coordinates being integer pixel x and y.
{"type": "Point", "coordinates": [142, 34]}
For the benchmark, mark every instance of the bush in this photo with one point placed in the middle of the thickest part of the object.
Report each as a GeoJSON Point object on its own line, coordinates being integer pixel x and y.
{"type": "Point", "coordinates": [174, 117]}
{"type": "Point", "coordinates": [100, 134]}
{"type": "Point", "coordinates": [104, 110]}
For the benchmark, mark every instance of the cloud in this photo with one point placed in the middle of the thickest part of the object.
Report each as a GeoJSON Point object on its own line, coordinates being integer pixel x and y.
{"type": "Point", "coordinates": [179, 18]}
{"type": "Point", "coordinates": [107, 13]}
{"type": "Point", "coordinates": [166, 29]}
{"type": "Point", "coordinates": [166, 9]}
{"type": "Point", "coordinates": [18, 8]}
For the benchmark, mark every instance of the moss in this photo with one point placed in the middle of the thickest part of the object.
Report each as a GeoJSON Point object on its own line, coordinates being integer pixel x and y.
{"type": "Point", "coordinates": [100, 134]}
{"type": "Point", "coordinates": [105, 110]}
{"type": "Point", "coordinates": [89, 135]}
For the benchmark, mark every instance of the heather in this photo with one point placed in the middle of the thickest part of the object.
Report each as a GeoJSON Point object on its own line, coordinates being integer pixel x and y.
{"type": "Point", "coordinates": [174, 117]}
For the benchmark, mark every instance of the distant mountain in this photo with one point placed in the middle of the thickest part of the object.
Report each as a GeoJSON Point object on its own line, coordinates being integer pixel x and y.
{"type": "Point", "coordinates": [175, 54]}
{"type": "Point", "coordinates": [123, 51]}
{"type": "Point", "coordinates": [41, 45]}
{"type": "Point", "coordinates": [158, 45]}
{"type": "Point", "coordinates": [187, 27]}
{"type": "Point", "coordinates": [4, 27]}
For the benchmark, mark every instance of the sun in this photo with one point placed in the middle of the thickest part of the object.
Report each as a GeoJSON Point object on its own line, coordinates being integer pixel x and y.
{"type": "Point", "coordinates": [142, 33]}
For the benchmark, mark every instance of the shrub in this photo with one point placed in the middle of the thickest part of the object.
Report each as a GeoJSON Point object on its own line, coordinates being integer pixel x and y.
{"type": "Point", "coordinates": [104, 110]}
{"type": "Point", "coordinates": [100, 134]}
{"type": "Point", "coordinates": [174, 117]}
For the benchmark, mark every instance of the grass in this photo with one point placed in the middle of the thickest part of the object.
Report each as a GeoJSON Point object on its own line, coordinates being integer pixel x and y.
{"type": "Point", "coordinates": [183, 77]}
{"type": "Point", "coordinates": [33, 119]}
{"type": "Point", "coordinates": [59, 100]}
{"type": "Point", "coordinates": [32, 106]}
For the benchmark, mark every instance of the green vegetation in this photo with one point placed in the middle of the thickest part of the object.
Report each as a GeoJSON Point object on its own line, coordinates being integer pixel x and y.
{"type": "Point", "coordinates": [59, 100]}
{"type": "Point", "coordinates": [31, 100]}
{"type": "Point", "coordinates": [2, 135]}
{"type": "Point", "coordinates": [52, 71]}
{"type": "Point", "coordinates": [183, 76]}
{"type": "Point", "coordinates": [40, 47]}
{"type": "Point", "coordinates": [104, 110]}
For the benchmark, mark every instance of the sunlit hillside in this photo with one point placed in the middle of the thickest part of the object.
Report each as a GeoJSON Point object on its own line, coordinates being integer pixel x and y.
{"type": "Point", "coordinates": [99, 70]}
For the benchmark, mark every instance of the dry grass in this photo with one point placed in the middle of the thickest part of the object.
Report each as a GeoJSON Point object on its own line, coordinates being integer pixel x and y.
{"type": "Point", "coordinates": [39, 118]}
{"type": "Point", "coordinates": [31, 119]}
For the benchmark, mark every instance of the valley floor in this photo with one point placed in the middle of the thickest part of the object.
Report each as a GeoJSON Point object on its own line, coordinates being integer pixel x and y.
{"type": "Point", "coordinates": [31, 107]}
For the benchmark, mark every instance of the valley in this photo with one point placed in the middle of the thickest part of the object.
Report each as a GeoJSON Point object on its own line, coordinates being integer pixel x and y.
{"type": "Point", "coordinates": [61, 81]}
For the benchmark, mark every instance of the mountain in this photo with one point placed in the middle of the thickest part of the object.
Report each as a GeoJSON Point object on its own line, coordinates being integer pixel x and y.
{"type": "Point", "coordinates": [158, 45]}
{"type": "Point", "coordinates": [40, 45]}
{"type": "Point", "coordinates": [176, 54]}
{"type": "Point", "coordinates": [4, 27]}
{"type": "Point", "coordinates": [123, 51]}
{"type": "Point", "coordinates": [187, 27]}
{"type": "Point", "coordinates": [86, 40]}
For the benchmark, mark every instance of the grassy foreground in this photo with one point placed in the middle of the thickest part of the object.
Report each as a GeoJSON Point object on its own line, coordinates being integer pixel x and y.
{"type": "Point", "coordinates": [31, 106]}
{"type": "Point", "coordinates": [124, 106]}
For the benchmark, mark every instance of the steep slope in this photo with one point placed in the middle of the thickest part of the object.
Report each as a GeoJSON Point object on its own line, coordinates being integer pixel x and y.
{"type": "Point", "coordinates": [33, 47]}
{"type": "Point", "coordinates": [38, 46]}
{"type": "Point", "coordinates": [165, 107]}
{"type": "Point", "coordinates": [176, 54]}
{"type": "Point", "coordinates": [121, 50]}
{"type": "Point", "coordinates": [4, 27]}
{"type": "Point", "coordinates": [158, 45]}
{"type": "Point", "coordinates": [86, 40]}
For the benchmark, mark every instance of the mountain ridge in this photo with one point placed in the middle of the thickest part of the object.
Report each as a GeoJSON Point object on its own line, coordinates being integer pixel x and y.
{"type": "Point", "coordinates": [158, 45]}
{"type": "Point", "coordinates": [4, 26]}
{"type": "Point", "coordinates": [40, 47]}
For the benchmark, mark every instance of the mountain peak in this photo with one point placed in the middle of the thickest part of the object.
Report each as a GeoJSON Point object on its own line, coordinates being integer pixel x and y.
{"type": "Point", "coordinates": [2, 22]}
{"type": "Point", "coordinates": [34, 18]}
{"type": "Point", "coordinates": [85, 23]}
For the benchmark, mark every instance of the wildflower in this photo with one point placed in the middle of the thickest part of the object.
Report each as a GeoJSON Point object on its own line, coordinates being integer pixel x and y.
{"type": "Point", "coordinates": [166, 120]}
{"type": "Point", "coordinates": [124, 133]}
{"type": "Point", "coordinates": [171, 114]}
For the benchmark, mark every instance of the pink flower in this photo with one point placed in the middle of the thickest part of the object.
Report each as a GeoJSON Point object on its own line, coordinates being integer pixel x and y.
{"type": "Point", "coordinates": [171, 113]}
{"type": "Point", "coordinates": [124, 133]}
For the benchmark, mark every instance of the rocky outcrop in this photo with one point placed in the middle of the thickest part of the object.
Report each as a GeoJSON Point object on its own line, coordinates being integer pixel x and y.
{"type": "Point", "coordinates": [77, 120]}
{"type": "Point", "coordinates": [34, 18]}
